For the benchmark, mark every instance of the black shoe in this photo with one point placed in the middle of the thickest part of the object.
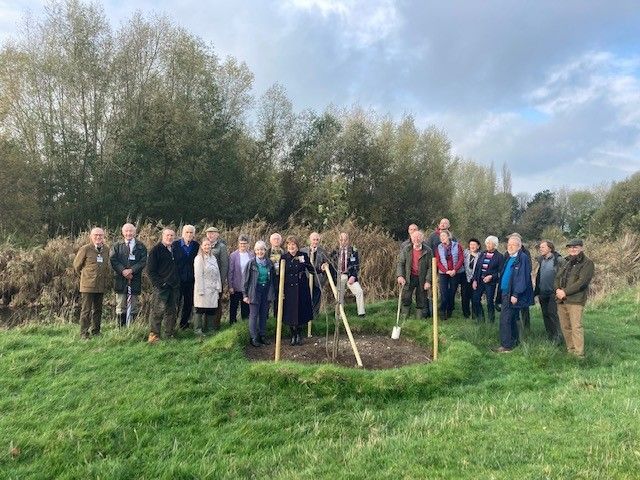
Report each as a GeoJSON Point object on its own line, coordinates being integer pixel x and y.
{"type": "Point", "coordinates": [123, 320]}
{"type": "Point", "coordinates": [264, 340]}
{"type": "Point", "coordinates": [362, 315]}
{"type": "Point", "coordinates": [255, 343]}
{"type": "Point", "coordinates": [299, 340]}
{"type": "Point", "coordinates": [293, 340]}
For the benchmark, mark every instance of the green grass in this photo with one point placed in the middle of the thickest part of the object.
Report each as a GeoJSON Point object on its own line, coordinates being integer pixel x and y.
{"type": "Point", "coordinates": [116, 408]}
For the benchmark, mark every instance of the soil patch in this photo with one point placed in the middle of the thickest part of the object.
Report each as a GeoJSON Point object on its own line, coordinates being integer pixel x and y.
{"type": "Point", "coordinates": [377, 352]}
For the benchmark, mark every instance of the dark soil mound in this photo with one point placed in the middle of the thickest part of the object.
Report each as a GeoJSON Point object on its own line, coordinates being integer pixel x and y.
{"type": "Point", "coordinates": [377, 352]}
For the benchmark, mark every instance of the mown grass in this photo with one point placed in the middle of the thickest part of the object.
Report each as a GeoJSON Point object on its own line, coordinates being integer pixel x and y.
{"type": "Point", "coordinates": [117, 408]}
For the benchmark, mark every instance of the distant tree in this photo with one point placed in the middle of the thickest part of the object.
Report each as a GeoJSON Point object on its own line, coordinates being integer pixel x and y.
{"type": "Point", "coordinates": [540, 213]}
{"type": "Point", "coordinates": [19, 178]}
{"type": "Point", "coordinates": [620, 210]}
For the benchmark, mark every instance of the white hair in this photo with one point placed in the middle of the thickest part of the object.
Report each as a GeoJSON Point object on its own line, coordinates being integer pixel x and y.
{"type": "Point", "coordinates": [493, 239]}
{"type": "Point", "coordinates": [260, 244]}
{"type": "Point", "coordinates": [189, 227]}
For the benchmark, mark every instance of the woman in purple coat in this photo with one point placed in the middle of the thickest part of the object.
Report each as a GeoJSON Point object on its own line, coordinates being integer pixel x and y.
{"type": "Point", "coordinates": [297, 310]}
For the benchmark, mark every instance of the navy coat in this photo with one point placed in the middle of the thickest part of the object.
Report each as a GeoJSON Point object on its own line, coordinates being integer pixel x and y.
{"type": "Point", "coordinates": [494, 268]}
{"type": "Point", "coordinates": [297, 309]}
{"type": "Point", "coordinates": [520, 284]}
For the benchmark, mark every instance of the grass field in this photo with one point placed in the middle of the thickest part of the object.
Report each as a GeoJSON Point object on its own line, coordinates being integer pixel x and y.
{"type": "Point", "coordinates": [116, 408]}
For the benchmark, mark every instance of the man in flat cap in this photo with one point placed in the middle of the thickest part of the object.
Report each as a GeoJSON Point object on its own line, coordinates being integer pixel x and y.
{"type": "Point", "coordinates": [572, 285]}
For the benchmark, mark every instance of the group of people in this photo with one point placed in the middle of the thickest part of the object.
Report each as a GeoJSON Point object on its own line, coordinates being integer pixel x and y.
{"type": "Point", "coordinates": [508, 281]}
{"type": "Point", "coordinates": [188, 278]}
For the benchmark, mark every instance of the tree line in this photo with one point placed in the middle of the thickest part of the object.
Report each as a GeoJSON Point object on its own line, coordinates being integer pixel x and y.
{"type": "Point", "coordinates": [98, 125]}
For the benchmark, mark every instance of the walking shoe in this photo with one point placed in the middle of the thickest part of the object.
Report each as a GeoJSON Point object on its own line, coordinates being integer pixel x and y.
{"type": "Point", "coordinates": [255, 342]}
{"type": "Point", "coordinates": [153, 338]}
{"type": "Point", "coordinates": [264, 340]}
{"type": "Point", "coordinates": [502, 350]}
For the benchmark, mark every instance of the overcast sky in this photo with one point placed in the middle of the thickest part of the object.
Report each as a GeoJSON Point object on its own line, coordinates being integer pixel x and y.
{"type": "Point", "coordinates": [552, 88]}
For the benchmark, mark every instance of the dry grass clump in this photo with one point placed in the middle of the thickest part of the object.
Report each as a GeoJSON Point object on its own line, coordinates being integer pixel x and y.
{"type": "Point", "coordinates": [617, 263]}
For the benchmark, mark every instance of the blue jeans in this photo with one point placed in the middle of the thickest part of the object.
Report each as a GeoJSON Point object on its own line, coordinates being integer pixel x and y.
{"type": "Point", "coordinates": [258, 312]}
{"type": "Point", "coordinates": [509, 315]}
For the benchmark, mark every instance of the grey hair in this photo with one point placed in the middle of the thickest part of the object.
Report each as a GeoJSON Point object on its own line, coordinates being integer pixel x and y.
{"type": "Point", "coordinates": [517, 237]}
{"type": "Point", "coordinates": [493, 239]}
{"type": "Point", "coordinates": [243, 237]}
{"type": "Point", "coordinates": [260, 244]}
{"type": "Point", "coordinates": [189, 227]}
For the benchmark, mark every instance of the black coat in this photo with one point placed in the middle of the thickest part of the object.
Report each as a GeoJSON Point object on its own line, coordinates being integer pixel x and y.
{"type": "Point", "coordinates": [297, 309]}
{"type": "Point", "coordinates": [162, 268]}
{"type": "Point", "coordinates": [119, 257]}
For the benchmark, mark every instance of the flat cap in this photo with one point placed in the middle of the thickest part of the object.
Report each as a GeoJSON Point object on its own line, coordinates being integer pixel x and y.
{"type": "Point", "coordinates": [212, 229]}
{"type": "Point", "coordinates": [576, 242]}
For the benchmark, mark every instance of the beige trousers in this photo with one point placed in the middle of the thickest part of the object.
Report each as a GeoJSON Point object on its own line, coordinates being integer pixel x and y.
{"type": "Point", "coordinates": [571, 324]}
{"type": "Point", "coordinates": [355, 288]}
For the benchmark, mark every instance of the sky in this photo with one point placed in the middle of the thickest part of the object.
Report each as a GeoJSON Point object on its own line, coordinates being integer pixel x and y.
{"type": "Point", "coordinates": [551, 88]}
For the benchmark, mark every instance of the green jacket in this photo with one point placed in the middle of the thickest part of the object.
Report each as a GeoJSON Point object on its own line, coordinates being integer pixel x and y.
{"type": "Point", "coordinates": [574, 277]}
{"type": "Point", "coordinates": [93, 268]}
{"type": "Point", "coordinates": [424, 264]}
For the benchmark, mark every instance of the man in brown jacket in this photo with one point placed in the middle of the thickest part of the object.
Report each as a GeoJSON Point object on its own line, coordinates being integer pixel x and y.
{"type": "Point", "coordinates": [92, 264]}
{"type": "Point", "coordinates": [572, 285]}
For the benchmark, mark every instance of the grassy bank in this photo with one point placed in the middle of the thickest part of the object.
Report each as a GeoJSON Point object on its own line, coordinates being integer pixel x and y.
{"type": "Point", "coordinates": [115, 407]}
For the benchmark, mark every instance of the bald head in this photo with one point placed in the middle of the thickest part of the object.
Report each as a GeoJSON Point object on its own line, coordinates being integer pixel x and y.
{"type": "Point", "coordinates": [444, 224]}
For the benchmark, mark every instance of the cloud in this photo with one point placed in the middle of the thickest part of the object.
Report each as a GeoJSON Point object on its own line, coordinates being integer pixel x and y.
{"type": "Point", "coordinates": [361, 23]}
{"type": "Point", "coordinates": [551, 88]}
{"type": "Point", "coordinates": [590, 130]}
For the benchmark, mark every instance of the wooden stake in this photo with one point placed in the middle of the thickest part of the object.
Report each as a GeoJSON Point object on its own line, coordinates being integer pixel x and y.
{"type": "Point", "coordinates": [311, 292]}
{"type": "Point", "coordinates": [434, 296]}
{"type": "Point", "coordinates": [345, 321]}
{"type": "Point", "coordinates": [280, 307]}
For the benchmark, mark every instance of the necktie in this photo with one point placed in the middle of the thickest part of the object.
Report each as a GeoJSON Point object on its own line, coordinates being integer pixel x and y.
{"type": "Point", "coordinates": [129, 246]}
{"type": "Point", "coordinates": [472, 262]}
{"type": "Point", "coordinates": [344, 260]}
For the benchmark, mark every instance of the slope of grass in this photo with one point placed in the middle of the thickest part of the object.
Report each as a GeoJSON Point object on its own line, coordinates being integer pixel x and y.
{"type": "Point", "coordinates": [117, 408]}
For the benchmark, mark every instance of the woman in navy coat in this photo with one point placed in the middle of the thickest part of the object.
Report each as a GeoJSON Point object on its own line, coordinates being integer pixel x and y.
{"type": "Point", "coordinates": [297, 310]}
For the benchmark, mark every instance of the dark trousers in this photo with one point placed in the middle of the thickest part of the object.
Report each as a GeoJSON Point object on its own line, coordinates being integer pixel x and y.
{"type": "Point", "coordinates": [509, 336]}
{"type": "Point", "coordinates": [164, 309]}
{"type": "Point", "coordinates": [549, 309]}
{"type": "Point", "coordinates": [186, 300]}
{"type": "Point", "coordinates": [525, 317]}
{"type": "Point", "coordinates": [90, 313]}
{"type": "Point", "coordinates": [316, 298]}
{"type": "Point", "coordinates": [422, 305]}
{"type": "Point", "coordinates": [489, 290]}
{"type": "Point", "coordinates": [466, 294]}
{"type": "Point", "coordinates": [258, 312]}
{"type": "Point", "coordinates": [448, 287]}
{"type": "Point", "coordinates": [235, 299]}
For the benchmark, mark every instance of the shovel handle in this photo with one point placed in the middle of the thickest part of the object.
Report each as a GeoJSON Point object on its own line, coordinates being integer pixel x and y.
{"type": "Point", "coordinates": [399, 303]}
